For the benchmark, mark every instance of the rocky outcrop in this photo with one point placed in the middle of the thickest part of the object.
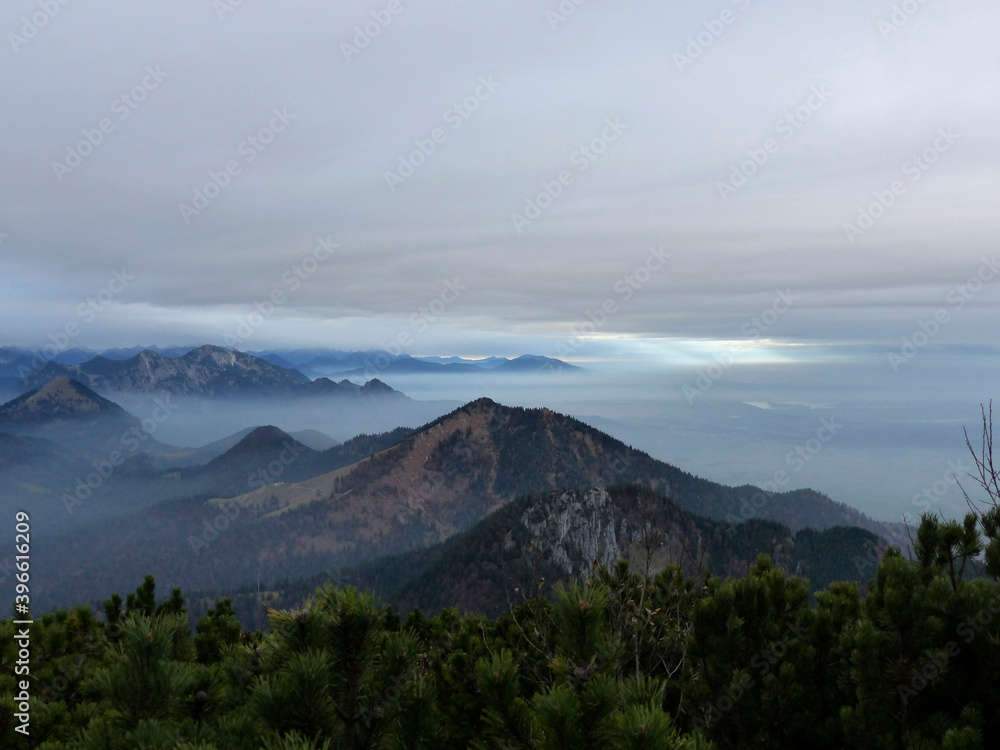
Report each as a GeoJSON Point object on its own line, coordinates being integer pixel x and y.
{"type": "Point", "coordinates": [576, 528]}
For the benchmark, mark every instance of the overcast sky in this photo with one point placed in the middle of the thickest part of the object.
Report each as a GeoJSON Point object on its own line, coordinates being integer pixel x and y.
{"type": "Point", "coordinates": [739, 139]}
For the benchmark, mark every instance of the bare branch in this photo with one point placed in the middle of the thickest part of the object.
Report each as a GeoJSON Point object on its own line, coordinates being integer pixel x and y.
{"type": "Point", "coordinates": [985, 469]}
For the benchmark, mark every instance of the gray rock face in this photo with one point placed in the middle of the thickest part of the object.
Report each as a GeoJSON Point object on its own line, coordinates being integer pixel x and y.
{"type": "Point", "coordinates": [575, 528]}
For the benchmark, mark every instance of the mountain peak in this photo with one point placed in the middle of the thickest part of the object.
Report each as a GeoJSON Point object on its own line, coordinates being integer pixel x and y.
{"type": "Point", "coordinates": [262, 440]}
{"type": "Point", "coordinates": [63, 385]}
{"type": "Point", "coordinates": [148, 355]}
{"type": "Point", "coordinates": [207, 370]}
{"type": "Point", "coordinates": [482, 404]}
{"type": "Point", "coordinates": [215, 353]}
{"type": "Point", "coordinates": [60, 399]}
{"type": "Point", "coordinates": [376, 386]}
{"type": "Point", "coordinates": [532, 363]}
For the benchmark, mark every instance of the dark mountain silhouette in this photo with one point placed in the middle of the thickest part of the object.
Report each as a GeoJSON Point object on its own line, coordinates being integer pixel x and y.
{"type": "Point", "coordinates": [36, 466]}
{"type": "Point", "coordinates": [407, 365]}
{"type": "Point", "coordinates": [63, 438]}
{"type": "Point", "coordinates": [530, 363]}
{"type": "Point", "coordinates": [258, 445]}
{"type": "Point", "coordinates": [314, 439]}
{"type": "Point", "coordinates": [374, 388]}
{"type": "Point", "coordinates": [59, 401]}
{"type": "Point", "coordinates": [413, 490]}
{"type": "Point", "coordinates": [277, 360]}
{"type": "Point", "coordinates": [16, 363]}
{"type": "Point", "coordinates": [205, 371]}
{"type": "Point", "coordinates": [68, 413]}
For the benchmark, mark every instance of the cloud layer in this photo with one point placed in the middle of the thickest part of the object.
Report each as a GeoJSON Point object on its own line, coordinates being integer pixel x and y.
{"type": "Point", "coordinates": [532, 155]}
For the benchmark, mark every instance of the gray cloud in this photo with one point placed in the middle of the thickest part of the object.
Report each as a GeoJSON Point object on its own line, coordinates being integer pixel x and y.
{"type": "Point", "coordinates": [347, 123]}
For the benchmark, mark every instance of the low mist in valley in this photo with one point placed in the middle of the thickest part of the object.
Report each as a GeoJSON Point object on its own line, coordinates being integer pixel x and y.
{"type": "Point", "coordinates": [196, 421]}
{"type": "Point", "coordinates": [897, 441]}
{"type": "Point", "coordinates": [902, 433]}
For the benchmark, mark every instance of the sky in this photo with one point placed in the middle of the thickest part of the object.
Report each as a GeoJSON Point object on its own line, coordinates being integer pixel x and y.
{"type": "Point", "coordinates": [639, 182]}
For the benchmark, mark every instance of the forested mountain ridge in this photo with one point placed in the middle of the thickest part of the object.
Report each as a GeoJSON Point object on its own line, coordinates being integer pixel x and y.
{"type": "Point", "coordinates": [82, 422]}
{"type": "Point", "coordinates": [417, 489]}
{"type": "Point", "coordinates": [537, 541]}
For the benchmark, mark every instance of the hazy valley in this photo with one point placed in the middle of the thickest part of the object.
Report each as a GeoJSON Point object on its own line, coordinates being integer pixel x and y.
{"type": "Point", "coordinates": [112, 497]}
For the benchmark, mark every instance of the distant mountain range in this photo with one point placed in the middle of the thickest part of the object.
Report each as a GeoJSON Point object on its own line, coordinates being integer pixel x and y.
{"type": "Point", "coordinates": [333, 361]}
{"type": "Point", "coordinates": [472, 509]}
{"type": "Point", "coordinates": [205, 371]}
{"type": "Point", "coordinates": [406, 365]}
{"type": "Point", "coordinates": [215, 372]}
{"type": "Point", "coordinates": [302, 511]}
{"type": "Point", "coordinates": [337, 362]}
{"type": "Point", "coordinates": [69, 454]}
{"type": "Point", "coordinates": [66, 411]}
{"type": "Point", "coordinates": [313, 439]}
